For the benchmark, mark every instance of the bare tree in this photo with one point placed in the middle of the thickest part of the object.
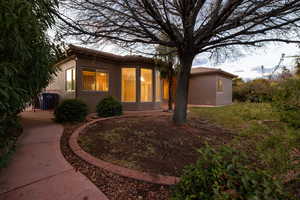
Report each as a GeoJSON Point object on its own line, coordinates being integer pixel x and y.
{"type": "Point", "coordinates": [192, 26]}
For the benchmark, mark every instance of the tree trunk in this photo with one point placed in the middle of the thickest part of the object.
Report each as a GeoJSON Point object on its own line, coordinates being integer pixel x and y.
{"type": "Point", "coordinates": [170, 77]}
{"type": "Point", "coordinates": [181, 99]}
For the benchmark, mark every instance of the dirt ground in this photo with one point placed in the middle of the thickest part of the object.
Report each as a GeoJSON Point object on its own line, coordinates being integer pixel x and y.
{"type": "Point", "coordinates": [151, 144]}
{"type": "Point", "coordinates": [115, 187]}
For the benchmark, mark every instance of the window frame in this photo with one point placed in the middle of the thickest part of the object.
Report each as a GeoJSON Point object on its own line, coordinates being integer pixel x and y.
{"type": "Point", "coordinates": [73, 79]}
{"type": "Point", "coordinates": [152, 91]}
{"type": "Point", "coordinates": [135, 85]}
{"type": "Point", "coordinates": [158, 81]}
{"type": "Point", "coordinates": [222, 86]}
{"type": "Point", "coordinates": [94, 70]}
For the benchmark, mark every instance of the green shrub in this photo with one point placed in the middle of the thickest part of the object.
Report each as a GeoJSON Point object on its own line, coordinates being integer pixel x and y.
{"type": "Point", "coordinates": [8, 138]}
{"type": "Point", "coordinates": [286, 100]}
{"type": "Point", "coordinates": [109, 107]}
{"type": "Point", "coordinates": [258, 90]}
{"type": "Point", "coordinates": [71, 110]}
{"type": "Point", "coordinates": [26, 62]}
{"type": "Point", "coordinates": [223, 174]}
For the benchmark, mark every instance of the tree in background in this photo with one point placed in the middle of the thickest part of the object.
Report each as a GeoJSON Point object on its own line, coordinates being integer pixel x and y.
{"type": "Point", "coordinates": [297, 68]}
{"type": "Point", "coordinates": [192, 26]}
{"type": "Point", "coordinates": [26, 59]}
{"type": "Point", "coordinates": [167, 66]}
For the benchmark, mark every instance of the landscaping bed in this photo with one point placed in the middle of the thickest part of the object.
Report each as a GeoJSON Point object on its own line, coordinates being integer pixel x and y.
{"type": "Point", "coordinates": [115, 187]}
{"type": "Point", "coordinates": [151, 144]}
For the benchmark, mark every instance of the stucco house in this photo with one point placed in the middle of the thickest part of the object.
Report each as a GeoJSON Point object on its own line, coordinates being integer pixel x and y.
{"type": "Point", "coordinates": [90, 75]}
{"type": "Point", "coordinates": [208, 86]}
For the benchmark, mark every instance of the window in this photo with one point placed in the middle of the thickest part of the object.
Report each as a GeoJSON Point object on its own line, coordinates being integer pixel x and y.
{"type": "Point", "coordinates": [70, 79]}
{"type": "Point", "coordinates": [219, 85]}
{"type": "Point", "coordinates": [95, 80]}
{"type": "Point", "coordinates": [166, 89]}
{"type": "Point", "coordinates": [158, 86]}
{"type": "Point", "coordinates": [146, 85]}
{"type": "Point", "coordinates": [128, 84]}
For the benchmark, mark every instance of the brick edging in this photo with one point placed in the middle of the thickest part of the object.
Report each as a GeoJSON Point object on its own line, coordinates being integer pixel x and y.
{"type": "Point", "coordinates": [130, 173]}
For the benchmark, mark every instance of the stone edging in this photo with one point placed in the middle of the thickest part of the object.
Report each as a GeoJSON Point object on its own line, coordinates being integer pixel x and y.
{"type": "Point", "coordinates": [130, 173]}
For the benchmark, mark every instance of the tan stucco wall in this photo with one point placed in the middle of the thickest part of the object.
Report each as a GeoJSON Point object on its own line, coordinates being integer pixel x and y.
{"type": "Point", "coordinates": [57, 85]}
{"type": "Point", "coordinates": [202, 90]}
{"type": "Point", "coordinates": [114, 69]}
{"type": "Point", "coordinates": [225, 97]}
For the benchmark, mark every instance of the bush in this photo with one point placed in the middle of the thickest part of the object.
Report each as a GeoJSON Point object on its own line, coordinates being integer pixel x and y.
{"type": "Point", "coordinates": [8, 138]}
{"type": "Point", "coordinates": [109, 107]}
{"type": "Point", "coordinates": [26, 62]}
{"type": "Point", "coordinates": [286, 100]}
{"type": "Point", "coordinates": [71, 110]}
{"type": "Point", "coordinates": [258, 90]}
{"type": "Point", "coordinates": [223, 174]}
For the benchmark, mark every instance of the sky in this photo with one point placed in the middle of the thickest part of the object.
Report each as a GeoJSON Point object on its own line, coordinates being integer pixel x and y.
{"type": "Point", "coordinates": [249, 66]}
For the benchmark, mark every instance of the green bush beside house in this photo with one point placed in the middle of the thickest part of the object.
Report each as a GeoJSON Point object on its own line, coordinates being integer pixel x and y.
{"type": "Point", "coordinates": [71, 110]}
{"type": "Point", "coordinates": [109, 107]}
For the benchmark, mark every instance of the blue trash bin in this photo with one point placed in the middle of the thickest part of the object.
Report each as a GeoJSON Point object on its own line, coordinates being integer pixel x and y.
{"type": "Point", "coordinates": [49, 101]}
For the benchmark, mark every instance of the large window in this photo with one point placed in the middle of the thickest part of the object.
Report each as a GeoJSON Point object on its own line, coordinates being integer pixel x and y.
{"type": "Point", "coordinates": [157, 86]}
{"type": "Point", "coordinates": [128, 85]}
{"type": "Point", "coordinates": [220, 85]}
{"type": "Point", "coordinates": [70, 79]}
{"type": "Point", "coordinates": [166, 89]}
{"type": "Point", "coordinates": [95, 80]}
{"type": "Point", "coordinates": [146, 85]}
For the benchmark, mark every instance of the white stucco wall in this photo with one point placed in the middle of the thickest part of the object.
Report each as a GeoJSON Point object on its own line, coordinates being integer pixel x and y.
{"type": "Point", "coordinates": [57, 85]}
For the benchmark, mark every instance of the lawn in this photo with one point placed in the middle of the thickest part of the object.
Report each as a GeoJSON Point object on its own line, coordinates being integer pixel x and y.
{"type": "Point", "coordinates": [272, 145]}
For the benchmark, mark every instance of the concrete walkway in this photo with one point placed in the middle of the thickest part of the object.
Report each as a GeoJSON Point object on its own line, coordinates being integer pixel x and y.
{"type": "Point", "coordinates": [38, 170]}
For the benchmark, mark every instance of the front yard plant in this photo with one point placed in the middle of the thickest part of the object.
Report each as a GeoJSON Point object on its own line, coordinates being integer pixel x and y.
{"type": "Point", "coordinates": [287, 102]}
{"type": "Point", "coordinates": [270, 144]}
{"type": "Point", "coordinates": [71, 110]}
{"type": "Point", "coordinates": [225, 175]}
{"type": "Point", "coordinates": [109, 107]}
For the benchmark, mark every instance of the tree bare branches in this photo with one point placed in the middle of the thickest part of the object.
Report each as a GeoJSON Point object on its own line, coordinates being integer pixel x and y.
{"type": "Point", "coordinates": [192, 26]}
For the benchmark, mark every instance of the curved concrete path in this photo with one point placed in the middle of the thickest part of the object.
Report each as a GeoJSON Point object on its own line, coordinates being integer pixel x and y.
{"type": "Point", "coordinates": [38, 170]}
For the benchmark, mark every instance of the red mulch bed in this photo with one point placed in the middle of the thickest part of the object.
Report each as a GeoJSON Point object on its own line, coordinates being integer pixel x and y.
{"type": "Point", "coordinates": [151, 144]}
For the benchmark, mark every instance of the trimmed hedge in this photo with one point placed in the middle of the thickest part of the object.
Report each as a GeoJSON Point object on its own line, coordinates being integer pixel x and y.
{"type": "Point", "coordinates": [109, 107]}
{"type": "Point", "coordinates": [71, 110]}
{"type": "Point", "coordinates": [224, 175]}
